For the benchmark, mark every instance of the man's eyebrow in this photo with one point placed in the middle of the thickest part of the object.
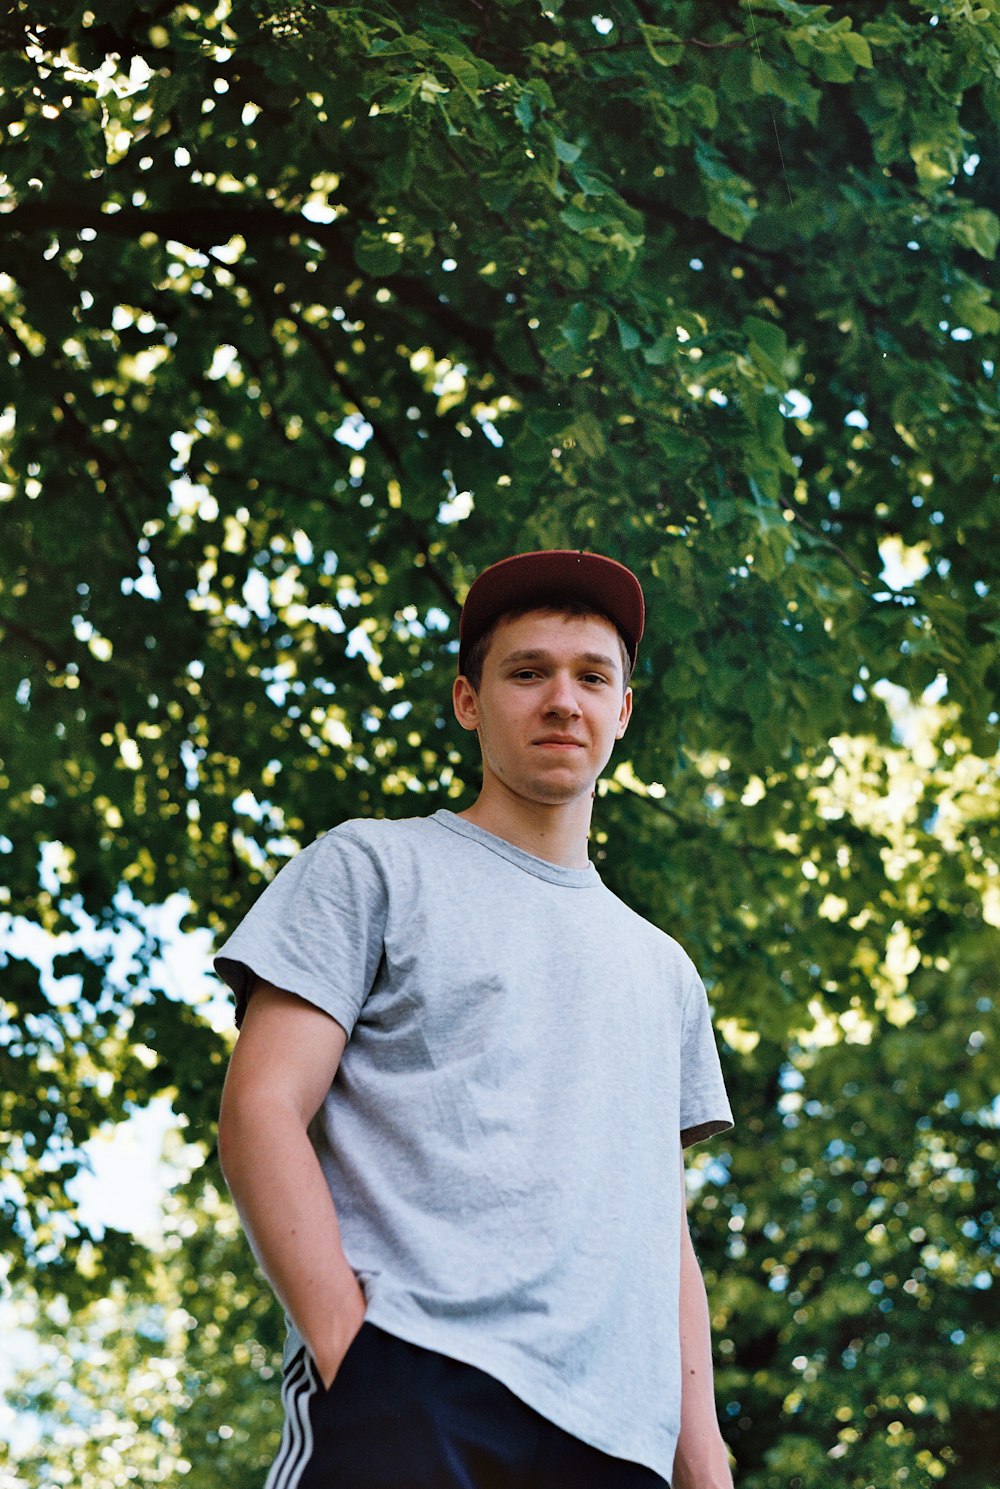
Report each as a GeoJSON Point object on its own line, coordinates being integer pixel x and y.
{"type": "Point", "coordinates": [538, 654]}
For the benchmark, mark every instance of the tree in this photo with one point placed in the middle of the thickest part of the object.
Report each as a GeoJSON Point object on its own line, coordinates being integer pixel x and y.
{"type": "Point", "coordinates": [310, 313]}
{"type": "Point", "coordinates": [156, 1386]}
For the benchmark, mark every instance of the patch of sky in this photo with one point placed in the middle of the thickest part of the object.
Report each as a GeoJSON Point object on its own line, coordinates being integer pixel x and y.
{"type": "Point", "coordinates": [437, 620]}
{"type": "Point", "coordinates": [224, 358]}
{"type": "Point", "coordinates": [123, 1181]}
{"type": "Point", "coordinates": [969, 166]}
{"type": "Point", "coordinates": [316, 210]}
{"type": "Point", "coordinates": [257, 595]}
{"type": "Point", "coordinates": [122, 1185]}
{"type": "Point", "coordinates": [602, 24]}
{"type": "Point", "coordinates": [696, 265]}
{"type": "Point", "coordinates": [146, 585]}
{"type": "Point", "coordinates": [188, 499]}
{"type": "Point", "coordinates": [449, 265]}
{"type": "Point", "coordinates": [359, 644]}
{"type": "Point", "coordinates": [407, 623]}
{"type": "Point", "coordinates": [355, 432]}
{"type": "Point", "coordinates": [278, 683]}
{"type": "Point", "coordinates": [961, 333]}
{"type": "Point", "coordinates": [856, 419]}
{"type": "Point", "coordinates": [327, 617]}
{"type": "Point", "coordinates": [904, 717]}
{"type": "Point", "coordinates": [490, 430]}
{"type": "Point", "coordinates": [458, 506]}
{"type": "Point", "coordinates": [247, 805]}
{"type": "Point", "coordinates": [190, 756]}
{"type": "Point", "coordinates": [713, 1171]}
{"type": "Point", "coordinates": [902, 566]}
{"type": "Point", "coordinates": [795, 405]}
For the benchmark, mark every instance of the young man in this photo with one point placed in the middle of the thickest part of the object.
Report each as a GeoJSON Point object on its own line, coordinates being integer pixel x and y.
{"type": "Point", "coordinates": [453, 1118]}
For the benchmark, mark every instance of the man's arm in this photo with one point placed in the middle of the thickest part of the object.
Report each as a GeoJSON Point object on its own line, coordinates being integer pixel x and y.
{"type": "Point", "coordinates": [282, 1067]}
{"type": "Point", "coordinates": [701, 1461]}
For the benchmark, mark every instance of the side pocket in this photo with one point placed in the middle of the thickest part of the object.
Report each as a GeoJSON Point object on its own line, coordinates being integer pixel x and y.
{"type": "Point", "coordinates": [349, 1356]}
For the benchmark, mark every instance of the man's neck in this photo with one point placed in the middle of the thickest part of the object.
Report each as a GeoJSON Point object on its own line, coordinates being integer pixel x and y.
{"type": "Point", "coordinates": [557, 832]}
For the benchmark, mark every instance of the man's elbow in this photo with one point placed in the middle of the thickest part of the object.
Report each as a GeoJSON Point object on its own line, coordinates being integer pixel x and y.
{"type": "Point", "coordinates": [238, 1132]}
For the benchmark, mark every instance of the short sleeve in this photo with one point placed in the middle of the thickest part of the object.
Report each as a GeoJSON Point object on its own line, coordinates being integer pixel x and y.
{"type": "Point", "coordinates": [317, 930]}
{"type": "Point", "coordinates": [704, 1106]}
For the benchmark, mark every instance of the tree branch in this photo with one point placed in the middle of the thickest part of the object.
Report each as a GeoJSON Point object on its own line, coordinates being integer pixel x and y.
{"type": "Point", "coordinates": [48, 654]}
{"type": "Point", "coordinates": [204, 227]}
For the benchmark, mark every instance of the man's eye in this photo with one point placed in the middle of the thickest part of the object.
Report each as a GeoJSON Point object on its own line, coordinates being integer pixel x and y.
{"type": "Point", "coordinates": [594, 677]}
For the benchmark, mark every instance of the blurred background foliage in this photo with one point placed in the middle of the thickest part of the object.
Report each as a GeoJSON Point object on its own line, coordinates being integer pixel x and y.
{"type": "Point", "coordinates": [311, 311]}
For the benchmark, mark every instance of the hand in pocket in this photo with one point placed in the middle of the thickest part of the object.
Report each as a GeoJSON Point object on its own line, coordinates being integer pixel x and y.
{"type": "Point", "coordinates": [331, 1351]}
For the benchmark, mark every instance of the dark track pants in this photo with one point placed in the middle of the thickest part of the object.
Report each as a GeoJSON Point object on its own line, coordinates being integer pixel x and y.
{"type": "Point", "coordinates": [401, 1417]}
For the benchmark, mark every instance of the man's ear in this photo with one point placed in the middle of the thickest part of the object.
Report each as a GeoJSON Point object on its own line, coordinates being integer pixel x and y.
{"type": "Point", "coordinates": [465, 702]}
{"type": "Point", "coordinates": [625, 715]}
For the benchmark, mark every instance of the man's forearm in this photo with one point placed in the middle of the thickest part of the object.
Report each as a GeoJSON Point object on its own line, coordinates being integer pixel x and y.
{"type": "Point", "coordinates": [290, 1220]}
{"type": "Point", "coordinates": [701, 1461]}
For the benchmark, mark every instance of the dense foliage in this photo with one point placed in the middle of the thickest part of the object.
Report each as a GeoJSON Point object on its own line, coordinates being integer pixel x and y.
{"type": "Point", "coordinates": [309, 313]}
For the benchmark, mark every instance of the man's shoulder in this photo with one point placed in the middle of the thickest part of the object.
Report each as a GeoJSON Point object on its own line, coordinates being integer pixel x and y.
{"type": "Point", "coordinates": [652, 937]}
{"type": "Point", "coordinates": [379, 836]}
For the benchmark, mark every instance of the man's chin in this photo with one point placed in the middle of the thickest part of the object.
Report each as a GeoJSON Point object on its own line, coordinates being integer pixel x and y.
{"type": "Point", "coordinates": [554, 793]}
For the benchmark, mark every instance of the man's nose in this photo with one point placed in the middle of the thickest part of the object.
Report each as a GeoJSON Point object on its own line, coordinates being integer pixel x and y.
{"type": "Point", "coordinates": [561, 697]}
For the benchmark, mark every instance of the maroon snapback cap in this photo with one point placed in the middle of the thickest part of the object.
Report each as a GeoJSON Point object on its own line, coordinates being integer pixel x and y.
{"type": "Point", "coordinates": [549, 576]}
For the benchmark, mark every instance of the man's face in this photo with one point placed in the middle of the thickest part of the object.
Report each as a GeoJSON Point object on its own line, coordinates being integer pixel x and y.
{"type": "Point", "coordinates": [550, 706]}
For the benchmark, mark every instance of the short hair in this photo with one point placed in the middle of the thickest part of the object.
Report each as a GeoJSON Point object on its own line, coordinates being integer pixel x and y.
{"type": "Point", "coordinates": [569, 605]}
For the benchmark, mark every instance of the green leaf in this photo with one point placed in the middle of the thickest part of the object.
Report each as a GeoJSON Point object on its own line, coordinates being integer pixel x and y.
{"type": "Point", "coordinates": [589, 184]}
{"type": "Point", "coordinates": [977, 228]}
{"type": "Point", "coordinates": [586, 431]}
{"type": "Point", "coordinates": [467, 74]}
{"type": "Point", "coordinates": [524, 109]}
{"type": "Point", "coordinates": [566, 151]}
{"type": "Point", "coordinates": [578, 325]}
{"type": "Point", "coordinates": [399, 101]}
{"type": "Point", "coordinates": [768, 347]}
{"type": "Point", "coordinates": [375, 256]}
{"type": "Point", "coordinates": [663, 350]}
{"type": "Point", "coordinates": [664, 46]}
{"type": "Point", "coordinates": [857, 48]}
{"type": "Point", "coordinates": [729, 211]}
{"type": "Point", "coordinates": [627, 335]}
{"type": "Point", "coordinates": [788, 84]}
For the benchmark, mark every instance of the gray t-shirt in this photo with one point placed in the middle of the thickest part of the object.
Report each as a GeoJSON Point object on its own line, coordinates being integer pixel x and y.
{"type": "Point", "coordinates": [526, 1056]}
